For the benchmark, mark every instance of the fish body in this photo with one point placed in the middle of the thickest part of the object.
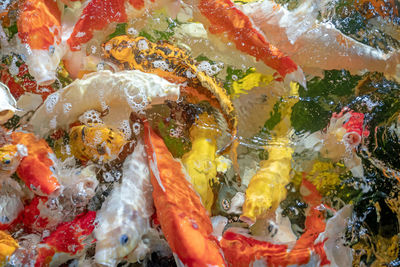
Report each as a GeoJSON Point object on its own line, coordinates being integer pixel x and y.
{"type": "Point", "coordinates": [36, 166]}
{"type": "Point", "coordinates": [299, 35]}
{"type": "Point", "coordinates": [68, 238]}
{"type": "Point", "coordinates": [95, 142]}
{"type": "Point", "coordinates": [183, 219]}
{"type": "Point", "coordinates": [267, 187]}
{"type": "Point", "coordinates": [243, 250]}
{"type": "Point", "coordinates": [11, 205]}
{"type": "Point", "coordinates": [22, 83]}
{"type": "Point", "coordinates": [7, 246]}
{"type": "Point", "coordinates": [175, 65]}
{"type": "Point", "coordinates": [77, 188]}
{"type": "Point", "coordinates": [8, 105]}
{"type": "Point", "coordinates": [124, 218]}
{"type": "Point", "coordinates": [121, 93]}
{"type": "Point", "coordinates": [98, 14]}
{"type": "Point", "coordinates": [222, 17]}
{"type": "Point", "coordinates": [200, 162]}
{"type": "Point", "coordinates": [39, 29]}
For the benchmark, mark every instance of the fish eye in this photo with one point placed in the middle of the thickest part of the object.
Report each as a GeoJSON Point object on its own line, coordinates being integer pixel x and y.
{"type": "Point", "coordinates": [123, 239]}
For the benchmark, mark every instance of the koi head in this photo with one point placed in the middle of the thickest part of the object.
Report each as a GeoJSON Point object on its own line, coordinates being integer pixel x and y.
{"type": "Point", "coordinates": [9, 158]}
{"type": "Point", "coordinates": [348, 127]}
{"type": "Point", "coordinates": [79, 185]}
{"type": "Point", "coordinates": [116, 238]}
{"type": "Point", "coordinates": [96, 142]}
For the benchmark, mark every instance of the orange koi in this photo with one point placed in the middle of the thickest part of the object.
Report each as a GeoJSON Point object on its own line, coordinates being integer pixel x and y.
{"type": "Point", "coordinates": [69, 238]}
{"type": "Point", "coordinates": [35, 169]}
{"type": "Point", "coordinates": [183, 218]}
{"type": "Point", "coordinates": [39, 23]}
{"type": "Point", "coordinates": [39, 28]}
{"type": "Point", "coordinates": [224, 17]}
{"type": "Point", "coordinates": [242, 250]}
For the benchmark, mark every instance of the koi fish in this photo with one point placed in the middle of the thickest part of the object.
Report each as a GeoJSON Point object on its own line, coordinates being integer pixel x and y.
{"type": "Point", "coordinates": [243, 250]}
{"type": "Point", "coordinates": [200, 162]}
{"type": "Point", "coordinates": [98, 14]}
{"type": "Point", "coordinates": [39, 29]}
{"type": "Point", "coordinates": [267, 187]}
{"type": "Point", "coordinates": [183, 219]}
{"type": "Point", "coordinates": [124, 218]}
{"type": "Point", "coordinates": [36, 166]}
{"type": "Point", "coordinates": [11, 205]}
{"type": "Point", "coordinates": [8, 105]}
{"type": "Point", "coordinates": [21, 83]}
{"type": "Point", "coordinates": [77, 188]}
{"type": "Point", "coordinates": [10, 158]}
{"type": "Point", "coordinates": [68, 240]}
{"type": "Point", "coordinates": [299, 35]}
{"type": "Point", "coordinates": [95, 142]}
{"type": "Point", "coordinates": [223, 18]}
{"type": "Point", "coordinates": [7, 246]}
{"type": "Point", "coordinates": [175, 65]}
{"type": "Point", "coordinates": [121, 93]}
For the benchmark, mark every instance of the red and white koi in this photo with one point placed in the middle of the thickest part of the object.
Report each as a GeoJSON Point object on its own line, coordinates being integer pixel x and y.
{"type": "Point", "coordinates": [68, 241]}
{"type": "Point", "coordinates": [77, 188]}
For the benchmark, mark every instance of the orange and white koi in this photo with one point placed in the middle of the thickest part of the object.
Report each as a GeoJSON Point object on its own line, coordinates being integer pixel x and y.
{"type": "Point", "coordinates": [223, 17]}
{"type": "Point", "coordinates": [243, 250]}
{"type": "Point", "coordinates": [183, 219]}
{"type": "Point", "coordinates": [299, 35]}
{"type": "Point", "coordinates": [36, 166]}
{"type": "Point", "coordinates": [67, 241]}
{"type": "Point", "coordinates": [39, 29]}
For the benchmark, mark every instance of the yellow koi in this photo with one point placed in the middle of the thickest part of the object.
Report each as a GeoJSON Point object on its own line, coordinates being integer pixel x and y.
{"type": "Point", "coordinates": [200, 162]}
{"type": "Point", "coordinates": [7, 246]}
{"type": "Point", "coordinates": [96, 142]}
{"type": "Point", "coordinates": [267, 187]}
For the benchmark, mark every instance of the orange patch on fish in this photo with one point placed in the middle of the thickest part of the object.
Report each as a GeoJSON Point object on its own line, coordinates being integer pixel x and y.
{"type": "Point", "coordinates": [39, 23]}
{"type": "Point", "coordinates": [35, 168]}
{"type": "Point", "coordinates": [184, 221]}
{"type": "Point", "coordinates": [224, 17]}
